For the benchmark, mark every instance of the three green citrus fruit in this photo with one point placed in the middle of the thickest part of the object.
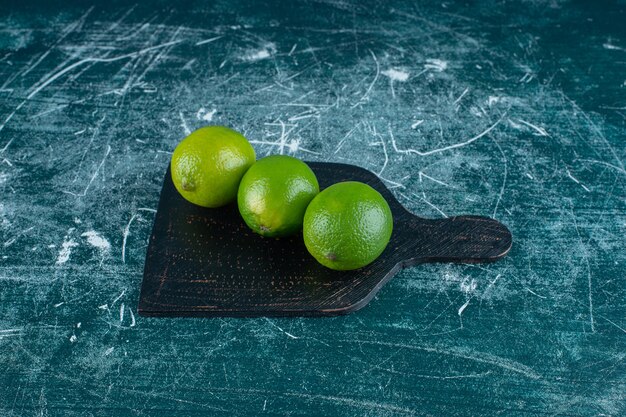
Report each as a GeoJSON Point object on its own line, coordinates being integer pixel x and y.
{"type": "Point", "coordinates": [347, 226]}
{"type": "Point", "coordinates": [274, 194]}
{"type": "Point", "coordinates": [208, 165]}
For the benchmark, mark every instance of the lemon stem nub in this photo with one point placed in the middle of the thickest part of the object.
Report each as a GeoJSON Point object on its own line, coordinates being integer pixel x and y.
{"type": "Point", "coordinates": [331, 257]}
{"type": "Point", "coordinates": [188, 185]}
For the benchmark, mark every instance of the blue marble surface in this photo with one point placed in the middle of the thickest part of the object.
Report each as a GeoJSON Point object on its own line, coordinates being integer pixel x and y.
{"type": "Point", "coordinates": [515, 111]}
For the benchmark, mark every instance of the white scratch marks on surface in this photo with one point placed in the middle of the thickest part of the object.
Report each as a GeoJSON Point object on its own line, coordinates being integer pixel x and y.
{"type": "Point", "coordinates": [445, 148]}
{"type": "Point", "coordinates": [540, 131]}
{"type": "Point", "coordinates": [11, 330]}
{"type": "Point", "coordinates": [597, 130]}
{"type": "Point", "coordinates": [117, 298]}
{"type": "Point", "coordinates": [127, 230]}
{"type": "Point", "coordinates": [423, 197]}
{"type": "Point", "coordinates": [9, 242]}
{"type": "Point", "coordinates": [37, 89]}
{"type": "Point", "coordinates": [97, 241]}
{"type": "Point", "coordinates": [493, 100]}
{"type": "Point", "coordinates": [73, 338]}
{"type": "Point", "coordinates": [132, 317]}
{"type": "Point", "coordinates": [352, 402]}
{"type": "Point", "coordinates": [480, 375]}
{"type": "Point", "coordinates": [461, 96]}
{"type": "Point", "coordinates": [585, 255]}
{"type": "Point", "coordinates": [66, 248]}
{"type": "Point", "coordinates": [122, 307]}
{"type": "Point", "coordinates": [534, 293]}
{"type": "Point", "coordinates": [8, 118]}
{"type": "Point", "coordinates": [125, 236]}
{"type": "Point", "coordinates": [422, 175]}
{"type": "Point", "coordinates": [527, 77]}
{"type": "Point", "coordinates": [506, 170]}
{"type": "Point", "coordinates": [343, 140]}
{"type": "Point", "coordinates": [48, 111]}
{"type": "Point", "coordinates": [67, 69]}
{"type": "Point", "coordinates": [476, 356]}
{"type": "Point", "coordinates": [109, 351]}
{"type": "Point", "coordinates": [393, 184]}
{"type": "Point", "coordinates": [569, 174]}
{"type": "Point", "coordinates": [492, 283]}
{"type": "Point", "coordinates": [93, 177]}
{"type": "Point", "coordinates": [204, 114]}
{"type": "Point", "coordinates": [189, 64]}
{"type": "Point", "coordinates": [264, 52]}
{"type": "Point", "coordinates": [279, 328]}
{"type": "Point", "coordinates": [183, 123]}
{"type": "Point", "coordinates": [612, 47]}
{"type": "Point", "coordinates": [468, 287]}
{"type": "Point", "coordinates": [416, 124]}
{"type": "Point", "coordinates": [613, 323]}
{"type": "Point", "coordinates": [437, 65]}
{"type": "Point", "coordinates": [10, 333]}
{"type": "Point", "coordinates": [395, 75]}
{"type": "Point", "coordinates": [384, 146]}
{"type": "Point", "coordinates": [463, 307]}
{"type": "Point", "coordinates": [20, 234]}
{"type": "Point", "coordinates": [205, 41]}
{"type": "Point", "coordinates": [606, 164]}
{"type": "Point", "coordinates": [365, 96]}
{"type": "Point", "coordinates": [304, 115]}
{"type": "Point", "coordinates": [425, 200]}
{"type": "Point", "coordinates": [283, 136]}
{"type": "Point", "coordinates": [292, 146]}
{"type": "Point", "coordinates": [75, 25]}
{"type": "Point", "coordinates": [382, 142]}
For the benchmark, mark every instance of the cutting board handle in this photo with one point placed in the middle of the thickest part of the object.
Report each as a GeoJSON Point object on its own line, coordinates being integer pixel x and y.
{"type": "Point", "coordinates": [461, 239]}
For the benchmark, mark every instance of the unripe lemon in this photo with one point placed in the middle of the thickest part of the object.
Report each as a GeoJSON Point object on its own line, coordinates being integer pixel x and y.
{"type": "Point", "coordinates": [208, 165]}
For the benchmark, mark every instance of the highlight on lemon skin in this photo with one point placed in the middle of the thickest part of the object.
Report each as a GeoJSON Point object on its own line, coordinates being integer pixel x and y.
{"type": "Point", "coordinates": [274, 194]}
{"type": "Point", "coordinates": [207, 166]}
{"type": "Point", "coordinates": [347, 226]}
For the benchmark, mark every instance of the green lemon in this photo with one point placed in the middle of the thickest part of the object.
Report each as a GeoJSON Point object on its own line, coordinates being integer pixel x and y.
{"type": "Point", "coordinates": [274, 194]}
{"type": "Point", "coordinates": [207, 165]}
{"type": "Point", "coordinates": [347, 226]}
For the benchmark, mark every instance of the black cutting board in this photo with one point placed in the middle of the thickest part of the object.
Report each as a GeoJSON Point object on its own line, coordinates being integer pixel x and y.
{"type": "Point", "coordinates": [206, 262]}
